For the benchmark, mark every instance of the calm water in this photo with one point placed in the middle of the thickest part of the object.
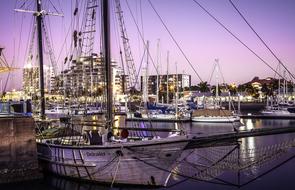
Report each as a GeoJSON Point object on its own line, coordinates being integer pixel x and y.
{"type": "Point", "coordinates": [276, 173]}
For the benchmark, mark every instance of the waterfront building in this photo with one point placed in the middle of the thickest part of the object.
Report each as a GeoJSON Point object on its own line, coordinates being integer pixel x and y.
{"type": "Point", "coordinates": [49, 76]}
{"type": "Point", "coordinates": [120, 81]}
{"type": "Point", "coordinates": [184, 80]}
{"type": "Point", "coordinates": [31, 79]}
{"type": "Point", "coordinates": [85, 77]}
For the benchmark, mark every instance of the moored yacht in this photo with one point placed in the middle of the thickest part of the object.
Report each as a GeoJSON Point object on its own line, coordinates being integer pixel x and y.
{"type": "Point", "coordinates": [214, 116]}
{"type": "Point", "coordinates": [93, 151]}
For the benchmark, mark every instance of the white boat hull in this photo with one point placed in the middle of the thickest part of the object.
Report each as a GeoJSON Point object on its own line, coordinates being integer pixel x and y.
{"type": "Point", "coordinates": [216, 119]}
{"type": "Point", "coordinates": [159, 117]}
{"type": "Point", "coordinates": [138, 163]}
{"type": "Point", "coordinates": [277, 113]}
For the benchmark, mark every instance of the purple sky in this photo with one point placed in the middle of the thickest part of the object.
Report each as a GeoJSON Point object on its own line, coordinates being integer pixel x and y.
{"type": "Point", "coordinates": [201, 38]}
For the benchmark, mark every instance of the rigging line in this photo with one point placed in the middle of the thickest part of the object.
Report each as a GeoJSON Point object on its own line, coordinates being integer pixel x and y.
{"type": "Point", "coordinates": [137, 76]}
{"type": "Point", "coordinates": [49, 45]}
{"type": "Point", "coordinates": [6, 82]}
{"type": "Point", "coordinates": [179, 163]}
{"type": "Point", "coordinates": [115, 18]}
{"type": "Point", "coordinates": [268, 171]}
{"type": "Point", "coordinates": [141, 18]}
{"type": "Point", "coordinates": [4, 60]}
{"type": "Point", "coordinates": [221, 73]}
{"type": "Point", "coordinates": [183, 175]}
{"type": "Point", "coordinates": [211, 75]}
{"type": "Point", "coordinates": [137, 9]}
{"type": "Point", "coordinates": [14, 31]}
{"type": "Point", "coordinates": [29, 4]}
{"type": "Point", "coordinates": [141, 36]}
{"type": "Point", "coordinates": [20, 37]}
{"type": "Point", "coordinates": [277, 68]}
{"type": "Point", "coordinates": [47, 20]}
{"type": "Point", "coordinates": [22, 4]}
{"type": "Point", "coordinates": [174, 40]}
{"type": "Point", "coordinates": [29, 40]}
{"type": "Point", "coordinates": [231, 33]}
{"type": "Point", "coordinates": [53, 6]}
{"type": "Point", "coordinates": [59, 4]}
{"type": "Point", "coordinates": [264, 43]}
{"type": "Point", "coordinates": [84, 13]}
{"type": "Point", "coordinates": [65, 40]}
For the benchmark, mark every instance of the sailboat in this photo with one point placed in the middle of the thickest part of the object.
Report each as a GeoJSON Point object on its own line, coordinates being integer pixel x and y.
{"type": "Point", "coordinates": [94, 154]}
{"type": "Point", "coordinates": [157, 111]}
{"type": "Point", "coordinates": [215, 113]}
{"type": "Point", "coordinates": [280, 106]}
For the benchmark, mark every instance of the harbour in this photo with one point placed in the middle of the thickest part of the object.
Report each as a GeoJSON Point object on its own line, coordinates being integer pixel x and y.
{"type": "Point", "coordinates": [126, 103]}
{"type": "Point", "coordinates": [54, 182]}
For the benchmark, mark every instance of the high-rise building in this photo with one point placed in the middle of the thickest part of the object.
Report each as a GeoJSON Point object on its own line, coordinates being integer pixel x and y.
{"type": "Point", "coordinates": [31, 78]}
{"type": "Point", "coordinates": [184, 80]}
{"type": "Point", "coordinates": [85, 77]}
{"type": "Point", "coordinates": [49, 76]}
{"type": "Point", "coordinates": [120, 80]}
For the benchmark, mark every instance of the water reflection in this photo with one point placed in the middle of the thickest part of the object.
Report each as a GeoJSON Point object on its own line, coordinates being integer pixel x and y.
{"type": "Point", "coordinates": [232, 166]}
{"type": "Point", "coordinates": [248, 151]}
{"type": "Point", "coordinates": [241, 163]}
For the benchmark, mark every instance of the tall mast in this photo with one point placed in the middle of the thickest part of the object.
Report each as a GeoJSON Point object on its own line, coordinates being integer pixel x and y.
{"type": "Point", "coordinates": [217, 83]}
{"type": "Point", "coordinates": [167, 78]}
{"type": "Point", "coordinates": [285, 86]}
{"type": "Point", "coordinates": [176, 94]}
{"type": "Point", "coordinates": [147, 70]}
{"type": "Point", "coordinates": [107, 58]}
{"type": "Point", "coordinates": [146, 77]}
{"type": "Point", "coordinates": [40, 49]}
{"type": "Point", "coordinates": [157, 90]}
{"type": "Point", "coordinates": [279, 88]}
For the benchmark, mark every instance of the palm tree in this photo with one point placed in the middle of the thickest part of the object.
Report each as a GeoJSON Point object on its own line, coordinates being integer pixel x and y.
{"type": "Point", "coordinates": [213, 90]}
{"type": "Point", "coordinates": [232, 89]}
{"type": "Point", "coordinates": [250, 90]}
{"type": "Point", "coordinates": [194, 88]}
{"type": "Point", "coordinates": [203, 87]}
{"type": "Point", "coordinates": [267, 90]}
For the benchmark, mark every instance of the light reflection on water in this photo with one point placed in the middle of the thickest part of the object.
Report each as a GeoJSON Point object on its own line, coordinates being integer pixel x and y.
{"type": "Point", "coordinates": [277, 179]}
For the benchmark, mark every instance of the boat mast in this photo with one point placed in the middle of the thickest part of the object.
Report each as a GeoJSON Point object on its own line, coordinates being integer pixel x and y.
{"type": "Point", "coordinates": [285, 87]}
{"type": "Point", "coordinates": [157, 90]}
{"type": "Point", "coordinates": [167, 78]}
{"type": "Point", "coordinates": [40, 49]}
{"type": "Point", "coordinates": [145, 78]}
{"type": "Point", "coordinates": [279, 86]}
{"type": "Point", "coordinates": [177, 92]}
{"type": "Point", "coordinates": [217, 83]}
{"type": "Point", "coordinates": [107, 59]}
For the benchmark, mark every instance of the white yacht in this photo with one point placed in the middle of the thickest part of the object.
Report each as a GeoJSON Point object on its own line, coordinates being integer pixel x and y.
{"type": "Point", "coordinates": [214, 116]}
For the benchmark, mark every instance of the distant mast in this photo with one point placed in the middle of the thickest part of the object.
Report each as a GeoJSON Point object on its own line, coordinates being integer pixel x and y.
{"type": "Point", "coordinates": [217, 83]}
{"type": "Point", "coordinates": [107, 58]}
{"type": "Point", "coordinates": [177, 92]}
{"type": "Point", "coordinates": [40, 49]}
{"type": "Point", "coordinates": [157, 70]}
{"type": "Point", "coordinates": [145, 78]}
{"type": "Point", "coordinates": [167, 78]}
